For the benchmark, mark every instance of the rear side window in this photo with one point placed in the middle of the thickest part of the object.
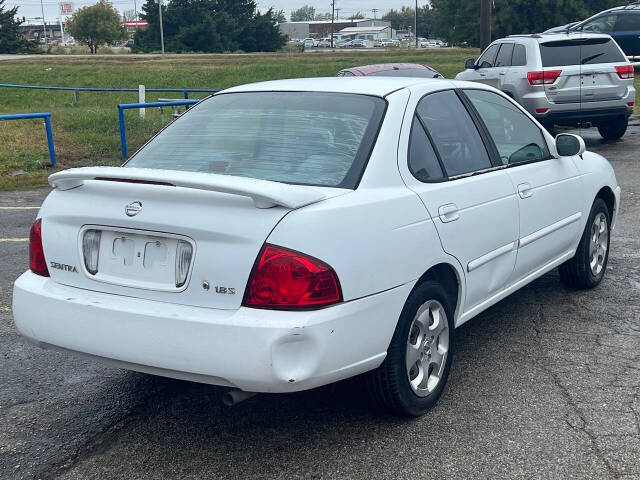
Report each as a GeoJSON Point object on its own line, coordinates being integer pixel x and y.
{"type": "Point", "coordinates": [576, 52]}
{"type": "Point", "coordinates": [628, 22]}
{"type": "Point", "coordinates": [455, 137]}
{"type": "Point", "coordinates": [423, 161]}
{"type": "Point", "coordinates": [305, 138]}
{"type": "Point", "coordinates": [487, 60]}
{"type": "Point", "coordinates": [504, 55]}
{"type": "Point", "coordinates": [519, 58]}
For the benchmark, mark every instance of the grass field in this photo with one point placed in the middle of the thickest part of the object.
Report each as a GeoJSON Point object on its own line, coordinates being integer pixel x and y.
{"type": "Point", "coordinates": [87, 133]}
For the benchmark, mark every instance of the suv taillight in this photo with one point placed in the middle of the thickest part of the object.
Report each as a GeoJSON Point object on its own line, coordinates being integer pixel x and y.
{"type": "Point", "coordinates": [37, 263]}
{"type": "Point", "coordinates": [625, 71]}
{"type": "Point", "coordinates": [284, 279]}
{"type": "Point", "coordinates": [545, 77]}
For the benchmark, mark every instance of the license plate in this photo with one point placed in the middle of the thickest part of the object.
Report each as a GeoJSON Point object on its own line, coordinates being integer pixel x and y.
{"type": "Point", "coordinates": [137, 260]}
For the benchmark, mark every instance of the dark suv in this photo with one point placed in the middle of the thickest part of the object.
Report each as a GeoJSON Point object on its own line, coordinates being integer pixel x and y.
{"type": "Point", "coordinates": [622, 23]}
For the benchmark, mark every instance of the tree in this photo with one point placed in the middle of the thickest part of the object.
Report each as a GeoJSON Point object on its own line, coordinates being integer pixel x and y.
{"type": "Point", "coordinates": [305, 13]}
{"type": "Point", "coordinates": [458, 21]}
{"type": "Point", "coordinates": [325, 17]}
{"type": "Point", "coordinates": [356, 16]}
{"type": "Point", "coordinates": [11, 40]}
{"type": "Point", "coordinates": [280, 16]}
{"type": "Point", "coordinates": [96, 25]}
{"type": "Point", "coordinates": [209, 26]}
{"type": "Point", "coordinates": [129, 15]}
{"type": "Point", "coordinates": [404, 19]}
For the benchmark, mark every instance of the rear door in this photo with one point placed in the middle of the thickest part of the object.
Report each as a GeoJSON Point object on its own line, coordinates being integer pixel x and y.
{"type": "Point", "coordinates": [471, 201]}
{"type": "Point", "coordinates": [503, 64]}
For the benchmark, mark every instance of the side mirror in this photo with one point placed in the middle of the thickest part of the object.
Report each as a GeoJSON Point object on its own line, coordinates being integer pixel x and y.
{"type": "Point", "coordinates": [470, 64]}
{"type": "Point", "coordinates": [569, 145]}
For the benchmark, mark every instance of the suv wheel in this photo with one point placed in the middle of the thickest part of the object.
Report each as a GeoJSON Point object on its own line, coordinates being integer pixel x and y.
{"type": "Point", "coordinates": [413, 375]}
{"type": "Point", "coordinates": [615, 129]}
{"type": "Point", "coordinates": [587, 268]}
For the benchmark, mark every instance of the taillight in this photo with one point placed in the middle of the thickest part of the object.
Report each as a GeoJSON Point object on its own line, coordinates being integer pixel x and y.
{"type": "Point", "coordinates": [546, 77]}
{"type": "Point", "coordinates": [625, 71]}
{"type": "Point", "coordinates": [37, 263]}
{"type": "Point", "coordinates": [284, 279]}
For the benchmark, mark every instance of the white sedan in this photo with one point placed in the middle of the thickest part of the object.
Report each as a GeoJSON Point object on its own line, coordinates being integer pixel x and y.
{"type": "Point", "coordinates": [284, 235]}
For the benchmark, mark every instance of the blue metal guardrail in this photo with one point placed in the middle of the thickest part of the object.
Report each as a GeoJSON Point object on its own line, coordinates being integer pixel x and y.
{"type": "Point", "coordinates": [77, 90]}
{"type": "Point", "coordinates": [126, 106]}
{"type": "Point", "coordinates": [47, 124]}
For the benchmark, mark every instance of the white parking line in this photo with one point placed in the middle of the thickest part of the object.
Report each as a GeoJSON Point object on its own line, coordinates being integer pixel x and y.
{"type": "Point", "coordinates": [4, 309]}
{"type": "Point", "coordinates": [14, 240]}
{"type": "Point", "coordinates": [19, 208]}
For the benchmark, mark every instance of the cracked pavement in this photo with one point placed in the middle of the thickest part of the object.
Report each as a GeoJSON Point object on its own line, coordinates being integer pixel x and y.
{"type": "Point", "coordinates": [544, 385]}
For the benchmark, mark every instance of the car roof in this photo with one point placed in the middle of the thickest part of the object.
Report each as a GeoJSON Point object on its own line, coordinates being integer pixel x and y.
{"type": "Point", "coordinates": [381, 67]}
{"type": "Point", "coordinates": [376, 86]}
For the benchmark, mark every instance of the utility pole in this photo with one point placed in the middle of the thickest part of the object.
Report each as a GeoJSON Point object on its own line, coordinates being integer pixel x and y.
{"type": "Point", "coordinates": [44, 24]}
{"type": "Point", "coordinates": [333, 12]}
{"type": "Point", "coordinates": [338, 14]}
{"type": "Point", "coordinates": [375, 11]}
{"type": "Point", "coordinates": [135, 13]}
{"type": "Point", "coordinates": [485, 23]}
{"type": "Point", "coordinates": [161, 31]}
{"type": "Point", "coordinates": [415, 30]}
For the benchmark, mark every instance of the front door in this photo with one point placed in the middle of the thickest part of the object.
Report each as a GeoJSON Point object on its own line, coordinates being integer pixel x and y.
{"type": "Point", "coordinates": [549, 189]}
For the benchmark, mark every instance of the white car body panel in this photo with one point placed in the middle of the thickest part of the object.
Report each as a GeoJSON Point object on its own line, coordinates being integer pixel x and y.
{"type": "Point", "coordinates": [379, 238]}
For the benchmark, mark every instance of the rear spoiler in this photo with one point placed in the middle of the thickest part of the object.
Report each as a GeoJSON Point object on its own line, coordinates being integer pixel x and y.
{"type": "Point", "coordinates": [264, 193]}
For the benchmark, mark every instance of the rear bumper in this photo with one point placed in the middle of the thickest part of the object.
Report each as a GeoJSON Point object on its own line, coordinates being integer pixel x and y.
{"type": "Point", "coordinates": [254, 350]}
{"type": "Point", "coordinates": [575, 117]}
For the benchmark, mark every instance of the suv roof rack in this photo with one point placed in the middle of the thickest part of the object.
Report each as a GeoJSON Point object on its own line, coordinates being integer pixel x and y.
{"type": "Point", "coordinates": [529, 35]}
{"type": "Point", "coordinates": [630, 5]}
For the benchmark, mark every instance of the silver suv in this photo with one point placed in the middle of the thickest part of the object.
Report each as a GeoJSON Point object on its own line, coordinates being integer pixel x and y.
{"type": "Point", "coordinates": [572, 79]}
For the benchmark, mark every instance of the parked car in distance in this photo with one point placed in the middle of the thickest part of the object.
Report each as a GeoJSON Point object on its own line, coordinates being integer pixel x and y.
{"type": "Point", "coordinates": [622, 23]}
{"type": "Point", "coordinates": [358, 43]}
{"type": "Point", "coordinates": [566, 79]}
{"type": "Point", "coordinates": [309, 43]}
{"type": "Point", "coordinates": [324, 43]}
{"type": "Point", "coordinates": [308, 181]}
{"type": "Point", "coordinates": [391, 70]}
{"type": "Point", "coordinates": [388, 42]}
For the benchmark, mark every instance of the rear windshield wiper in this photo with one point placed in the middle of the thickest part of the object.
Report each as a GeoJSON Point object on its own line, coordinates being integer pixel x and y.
{"type": "Point", "coordinates": [588, 59]}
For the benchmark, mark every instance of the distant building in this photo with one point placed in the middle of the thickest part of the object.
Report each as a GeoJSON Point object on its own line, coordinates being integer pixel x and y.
{"type": "Point", "coordinates": [322, 28]}
{"type": "Point", "coordinates": [35, 31]}
{"type": "Point", "coordinates": [367, 33]}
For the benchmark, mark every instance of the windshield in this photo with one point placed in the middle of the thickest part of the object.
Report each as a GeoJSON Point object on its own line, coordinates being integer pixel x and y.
{"type": "Point", "coordinates": [305, 138]}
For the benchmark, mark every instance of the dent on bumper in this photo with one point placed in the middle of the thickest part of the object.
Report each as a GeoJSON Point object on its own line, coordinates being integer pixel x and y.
{"type": "Point", "coordinates": [254, 350]}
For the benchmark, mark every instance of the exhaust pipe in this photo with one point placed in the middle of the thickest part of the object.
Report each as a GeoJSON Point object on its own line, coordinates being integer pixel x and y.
{"type": "Point", "coordinates": [233, 397]}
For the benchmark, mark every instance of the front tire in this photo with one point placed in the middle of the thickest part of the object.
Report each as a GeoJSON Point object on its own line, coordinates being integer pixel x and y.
{"type": "Point", "coordinates": [615, 129]}
{"type": "Point", "coordinates": [587, 268]}
{"type": "Point", "coordinates": [413, 375]}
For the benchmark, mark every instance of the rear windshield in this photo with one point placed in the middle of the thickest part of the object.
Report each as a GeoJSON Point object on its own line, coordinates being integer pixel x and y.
{"type": "Point", "coordinates": [304, 138]}
{"type": "Point", "coordinates": [580, 52]}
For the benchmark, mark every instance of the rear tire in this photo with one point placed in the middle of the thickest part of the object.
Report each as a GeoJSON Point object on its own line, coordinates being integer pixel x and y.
{"type": "Point", "coordinates": [413, 375]}
{"type": "Point", "coordinates": [588, 267]}
{"type": "Point", "coordinates": [615, 129]}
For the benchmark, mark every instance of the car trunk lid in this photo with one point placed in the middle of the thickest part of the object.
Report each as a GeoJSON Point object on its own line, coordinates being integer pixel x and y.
{"type": "Point", "coordinates": [155, 226]}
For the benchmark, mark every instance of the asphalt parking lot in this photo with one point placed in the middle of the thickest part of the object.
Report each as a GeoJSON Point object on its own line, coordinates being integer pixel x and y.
{"type": "Point", "coordinates": [544, 385]}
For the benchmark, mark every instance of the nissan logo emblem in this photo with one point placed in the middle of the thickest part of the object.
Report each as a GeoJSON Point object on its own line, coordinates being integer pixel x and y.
{"type": "Point", "coordinates": [133, 209]}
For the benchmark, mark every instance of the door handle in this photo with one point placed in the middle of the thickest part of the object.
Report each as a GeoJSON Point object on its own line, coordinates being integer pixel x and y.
{"type": "Point", "coordinates": [525, 190]}
{"type": "Point", "coordinates": [483, 74]}
{"type": "Point", "coordinates": [503, 73]}
{"type": "Point", "coordinates": [448, 213]}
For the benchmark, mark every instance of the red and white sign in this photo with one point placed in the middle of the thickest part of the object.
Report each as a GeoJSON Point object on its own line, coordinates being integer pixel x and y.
{"type": "Point", "coordinates": [139, 23]}
{"type": "Point", "coordinates": [66, 8]}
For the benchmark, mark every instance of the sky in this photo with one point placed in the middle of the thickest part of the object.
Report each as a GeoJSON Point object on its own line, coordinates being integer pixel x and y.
{"type": "Point", "coordinates": [31, 8]}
